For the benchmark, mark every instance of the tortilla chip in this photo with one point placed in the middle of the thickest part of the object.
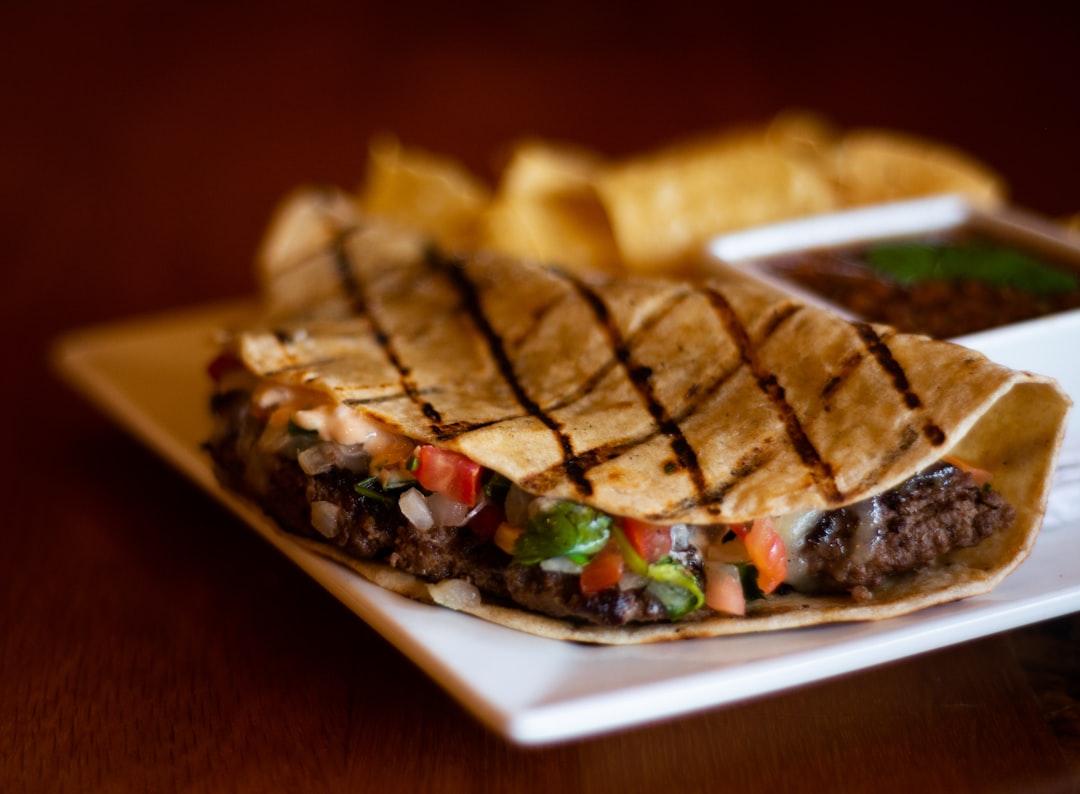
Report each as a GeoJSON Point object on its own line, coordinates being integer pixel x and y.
{"type": "Point", "coordinates": [547, 210]}
{"type": "Point", "coordinates": [665, 206]}
{"type": "Point", "coordinates": [873, 166]}
{"type": "Point", "coordinates": [427, 192]}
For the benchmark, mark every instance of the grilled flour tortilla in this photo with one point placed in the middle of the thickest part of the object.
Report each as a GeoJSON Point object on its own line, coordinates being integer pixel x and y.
{"type": "Point", "coordinates": [702, 406]}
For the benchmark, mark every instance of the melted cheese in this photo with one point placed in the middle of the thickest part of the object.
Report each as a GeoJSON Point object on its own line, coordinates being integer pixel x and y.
{"type": "Point", "coordinates": [793, 530]}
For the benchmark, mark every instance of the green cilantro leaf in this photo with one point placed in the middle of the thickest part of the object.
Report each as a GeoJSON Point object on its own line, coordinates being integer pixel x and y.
{"type": "Point", "coordinates": [748, 577]}
{"type": "Point", "coordinates": [910, 263]}
{"type": "Point", "coordinates": [567, 529]}
{"type": "Point", "coordinates": [372, 489]}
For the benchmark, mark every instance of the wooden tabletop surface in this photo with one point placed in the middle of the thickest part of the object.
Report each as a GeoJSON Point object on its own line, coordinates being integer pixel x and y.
{"type": "Point", "coordinates": [150, 642]}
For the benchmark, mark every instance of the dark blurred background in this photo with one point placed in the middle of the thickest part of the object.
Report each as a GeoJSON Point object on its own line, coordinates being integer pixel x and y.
{"type": "Point", "coordinates": [143, 146]}
{"type": "Point", "coordinates": [165, 132]}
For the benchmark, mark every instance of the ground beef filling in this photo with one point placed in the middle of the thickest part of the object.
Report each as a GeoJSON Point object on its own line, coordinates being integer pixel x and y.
{"type": "Point", "coordinates": [928, 516]}
{"type": "Point", "coordinates": [933, 513]}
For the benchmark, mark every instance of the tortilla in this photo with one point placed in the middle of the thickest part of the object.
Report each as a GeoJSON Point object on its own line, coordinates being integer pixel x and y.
{"type": "Point", "coordinates": [714, 401]}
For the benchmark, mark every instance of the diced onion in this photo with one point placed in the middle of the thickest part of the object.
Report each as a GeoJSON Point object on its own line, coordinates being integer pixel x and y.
{"type": "Point", "coordinates": [560, 565]}
{"type": "Point", "coordinates": [353, 457]}
{"type": "Point", "coordinates": [681, 536]}
{"type": "Point", "coordinates": [447, 512]}
{"type": "Point", "coordinates": [327, 518]}
{"type": "Point", "coordinates": [315, 460]}
{"type": "Point", "coordinates": [455, 594]}
{"type": "Point", "coordinates": [632, 581]}
{"type": "Point", "coordinates": [415, 508]}
{"type": "Point", "coordinates": [730, 551]}
{"type": "Point", "coordinates": [517, 506]}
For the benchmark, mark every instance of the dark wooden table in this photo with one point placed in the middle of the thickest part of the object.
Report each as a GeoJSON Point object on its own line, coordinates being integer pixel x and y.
{"type": "Point", "coordinates": [150, 642]}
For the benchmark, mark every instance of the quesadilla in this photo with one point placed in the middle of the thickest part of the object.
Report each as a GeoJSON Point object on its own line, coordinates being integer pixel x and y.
{"type": "Point", "coordinates": [618, 459]}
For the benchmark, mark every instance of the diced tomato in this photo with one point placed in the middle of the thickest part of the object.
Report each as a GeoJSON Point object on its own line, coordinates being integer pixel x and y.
{"type": "Point", "coordinates": [222, 365]}
{"type": "Point", "coordinates": [487, 520]}
{"type": "Point", "coordinates": [981, 477]}
{"type": "Point", "coordinates": [723, 588]}
{"type": "Point", "coordinates": [651, 541]}
{"type": "Point", "coordinates": [766, 550]}
{"type": "Point", "coordinates": [603, 571]}
{"type": "Point", "coordinates": [449, 473]}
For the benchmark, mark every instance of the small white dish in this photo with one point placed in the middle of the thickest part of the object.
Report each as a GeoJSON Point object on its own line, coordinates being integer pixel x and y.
{"type": "Point", "coordinates": [749, 251]}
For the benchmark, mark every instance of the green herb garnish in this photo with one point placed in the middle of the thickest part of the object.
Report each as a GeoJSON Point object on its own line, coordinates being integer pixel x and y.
{"type": "Point", "coordinates": [496, 487]}
{"type": "Point", "coordinates": [676, 588]}
{"type": "Point", "coordinates": [748, 575]}
{"type": "Point", "coordinates": [911, 263]}
{"type": "Point", "coordinates": [372, 489]}
{"type": "Point", "coordinates": [566, 530]}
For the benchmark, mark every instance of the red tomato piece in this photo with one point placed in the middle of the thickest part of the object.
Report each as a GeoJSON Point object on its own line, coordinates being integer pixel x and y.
{"type": "Point", "coordinates": [449, 473]}
{"type": "Point", "coordinates": [603, 571]}
{"type": "Point", "coordinates": [767, 552]}
{"type": "Point", "coordinates": [723, 589]}
{"type": "Point", "coordinates": [487, 520]}
{"type": "Point", "coordinates": [650, 541]}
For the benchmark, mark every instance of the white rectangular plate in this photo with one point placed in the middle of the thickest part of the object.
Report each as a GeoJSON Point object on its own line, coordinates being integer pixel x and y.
{"type": "Point", "coordinates": [148, 375]}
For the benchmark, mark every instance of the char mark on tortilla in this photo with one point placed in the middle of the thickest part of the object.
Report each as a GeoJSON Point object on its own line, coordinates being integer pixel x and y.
{"type": "Point", "coordinates": [354, 291]}
{"type": "Point", "coordinates": [641, 377]}
{"type": "Point", "coordinates": [700, 394]}
{"type": "Point", "coordinates": [473, 306]}
{"type": "Point", "coordinates": [820, 470]}
{"type": "Point", "coordinates": [880, 350]}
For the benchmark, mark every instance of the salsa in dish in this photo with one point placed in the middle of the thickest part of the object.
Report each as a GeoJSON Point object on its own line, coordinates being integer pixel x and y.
{"type": "Point", "coordinates": [943, 286]}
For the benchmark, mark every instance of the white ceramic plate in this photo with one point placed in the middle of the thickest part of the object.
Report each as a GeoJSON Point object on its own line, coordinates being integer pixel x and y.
{"type": "Point", "coordinates": [148, 375]}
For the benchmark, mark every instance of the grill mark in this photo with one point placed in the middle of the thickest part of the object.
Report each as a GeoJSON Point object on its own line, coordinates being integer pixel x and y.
{"type": "Point", "coordinates": [471, 303]}
{"type": "Point", "coordinates": [599, 454]}
{"type": "Point", "coordinates": [908, 436]}
{"type": "Point", "coordinates": [713, 497]}
{"type": "Point", "coordinates": [846, 369]}
{"type": "Point", "coordinates": [934, 434]}
{"type": "Point", "coordinates": [346, 276]}
{"type": "Point", "coordinates": [590, 384]}
{"type": "Point", "coordinates": [880, 351]}
{"type": "Point", "coordinates": [331, 224]}
{"type": "Point", "coordinates": [322, 362]}
{"type": "Point", "coordinates": [819, 469]}
{"type": "Point", "coordinates": [543, 480]}
{"type": "Point", "coordinates": [354, 292]}
{"type": "Point", "coordinates": [394, 396]}
{"type": "Point", "coordinates": [779, 316]}
{"type": "Point", "coordinates": [750, 463]}
{"type": "Point", "coordinates": [460, 428]}
{"type": "Point", "coordinates": [641, 377]}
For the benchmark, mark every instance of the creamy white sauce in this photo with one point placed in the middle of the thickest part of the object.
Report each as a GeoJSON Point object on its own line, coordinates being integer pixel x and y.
{"type": "Point", "coordinates": [337, 423]}
{"type": "Point", "coordinates": [333, 422]}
